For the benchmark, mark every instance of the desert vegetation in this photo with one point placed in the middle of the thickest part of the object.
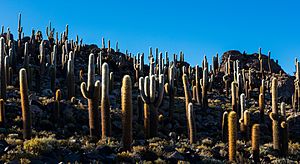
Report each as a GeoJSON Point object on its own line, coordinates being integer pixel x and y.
{"type": "Point", "coordinates": [65, 101]}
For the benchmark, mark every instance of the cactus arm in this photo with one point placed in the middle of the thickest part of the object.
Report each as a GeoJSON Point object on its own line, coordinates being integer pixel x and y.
{"type": "Point", "coordinates": [152, 88]}
{"type": "Point", "coordinates": [142, 91]}
{"type": "Point", "coordinates": [84, 91]}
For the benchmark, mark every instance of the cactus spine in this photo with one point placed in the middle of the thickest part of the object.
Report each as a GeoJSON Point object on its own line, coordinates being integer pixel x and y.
{"type": "Point", "coordinates": [105, 104]}
{"type": "Point", "coordinates": [26, 113]}
{"type": "Point", "coordinates": [127, 112]}
{"type": "Point", "coordinates": [91, 91]}
{"type": "Point", "coordinates": [274, 115]}
{"type": "Point", "coordinates": [255, 139]}
{"type": "Point", "coordinates": [232, 135]}
{"type": "Point", "coordinates": [191, 123]}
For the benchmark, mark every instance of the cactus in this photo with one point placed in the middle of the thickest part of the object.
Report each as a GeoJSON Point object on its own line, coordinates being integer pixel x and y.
{"type": "Point", "coordinates": [2, 69]}
{"type": "Point", "coordinates": [99, 63]}
{"type": "Point", "coordinates": [204, 85]}
{"type": "Point", "coordinates": [234, 96]}
{"type": "Point", "coordinates": [91, 91]}
{"type": "Point", "coordinates": [26, 113]}
{"type": "Point", "coordinates": [2, 113]}
{"type": "Point", "coordinates": [274, 115]}
{"type": "Point", "coordinates": [225, 126]}
{"type": "Point", "coordinates": [126, 112]}
{"type": "Point", "coordinates": [81, 74]}
{"type": "Point", "coordinates": [284, 138]}
{"type": "Point", "coordinates": [255, 139]}
{"type": "Point", "coordinates": [171, 89]}
{"type": "Point", "coordinates": [57, 104]}
{"type": "Point", "coordinates": [269, 62]}
{"type": "Point", "coordinates": [261, 107]}
{"type": "Point", "coordinates": [226, 81]}
{"type": "Point", "coordinates": [53, 68]}
{"type": "Point", "coordinates": [42, 58]}
{"type": "Point", "coordinates": [70, 77]}
{"type": "Point", "coordinates": [187, 92]}
{"type": "Point", "coordinates": [152, 101]}
{"type": "Point", "coordinates": [105, 104]}
{"type": "Point", "coordinates": [191, 124]}
{"type": "Point", "coordinates": [198, 91]}
{"type": "Point", "coordinates": [20, 29]}
{"type": "Point", "coordinates": [232, 135]}
{"type": "Point", "coordinates": [111, 82]}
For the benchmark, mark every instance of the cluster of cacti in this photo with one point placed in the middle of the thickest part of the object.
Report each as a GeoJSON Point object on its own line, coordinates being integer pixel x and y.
{"type": "Point", "coordinates": [42, 60]}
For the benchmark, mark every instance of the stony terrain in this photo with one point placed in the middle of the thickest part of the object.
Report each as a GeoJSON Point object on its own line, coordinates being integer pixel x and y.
{"type": "Point", "coordinates": [64, 135]}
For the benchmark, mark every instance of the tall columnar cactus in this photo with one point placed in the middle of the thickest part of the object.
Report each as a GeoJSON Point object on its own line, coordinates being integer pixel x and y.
{"type": "Point", "coordinates": [255, 139]}
{"type": "Point", "coordinates": [225, 126]}
{"type": "Point", "coordinates": [99, 63]}
{"type": "Point", "coordinates": [42, 58]}
{"type": "Point", "coordinates": [57, 104]}
{"type": "Point", "coordinates": [2, 113]}
{"type": "Point", "coordinates": [91, 91]}
{"type": "Point", "coordinates": [274, 115]}
{"type": "Point", "coordinates": [2, 69]}
{"type": "Point", "coordinates": [232, 135]}
{"type": "Point", "coordinates": [26, 113]}
{"type": "Point", "coordinates": [260, 61]}
{"type": "Point", "coordinates": [261, 107]}
{"type": "Point", "coordinates": [53, 68]}
{"type": "Point", "coordinates": [20, 29]}
{"type": "Point", "coordinates": [191, 124]}
{"type": "Point", "coordinates": [187, 92]}
{"type": "Point", "coordinates": [171, 89]}
{"type": "Point", "coordinates": [105, 104]}
{"type": "Point", "coordinates": [70, 77]}
{"type": "Point", "coordinates": [269, 62]}
{"type": "Point", "coordinates": [136, 66]}
{"type": "Point", "coordinates": [152, 97]}
{"type": "Point", "coordinates": [226, 83]}
{"type": "Point", "coordinates": [234, 96]}
{"type": "Point", "coordinates": [197, 79]}
{"type": "Point", "coordinates": [284, 138]}
{"type": "Point", "coordinates": [126, 92]}
{"type": "Point", "coordinates": [204, 85]}
{"type": "Point", "coordinates": [111, 82]}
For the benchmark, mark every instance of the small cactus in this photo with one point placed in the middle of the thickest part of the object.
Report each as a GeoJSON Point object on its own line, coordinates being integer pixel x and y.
{"type": "Point", "coordinates": [57, 104]}
{"type": "Point", "coordinates": [232, 135]}
{"type": "Point", "coordinates": [2, 113]}
{"type": "Point", "coordinates": [126, 112]}
{"type": "Point", "coordinates": [26, 113]}
{"type": "Point", "coordinates": [191, 124]}
{"type": "Point", "coordinates": [255, 139]}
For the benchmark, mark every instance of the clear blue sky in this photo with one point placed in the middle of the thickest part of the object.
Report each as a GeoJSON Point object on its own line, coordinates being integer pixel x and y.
{"type": "Point", "coordinates": [195, 27]}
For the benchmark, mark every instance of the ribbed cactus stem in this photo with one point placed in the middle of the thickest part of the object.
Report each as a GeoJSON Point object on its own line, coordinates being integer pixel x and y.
{"type": "Point", "coordinates": [284, 138]}
{"type": "Point", "coordinates": [204, 88]}
{"type": "Point", "coordinates": [42, 58]}
{"type": "Point", "coordinates": [105, 104]}
{"type": "Point", "coordinates": [99, 63]}
{"type": "Point", "coordinates": [57, 104]}
{"type": "Point", "coordinates": [225, 126]}
{"type": "Point", "coordinates": [232, 135]}
{"type": "Point", "coordinates": [261, 107]}
{"type": "Point", "coordinates": [2, 113]}
{"type": "Point", "coordinates": [187, 92]}
{"type": "Point", "coordinates": [2, 69]}
{"type": "Point", "coordinates": [111, 82]}
{"type": "Point", "coordinates": [26, 113]}
{"type": "Point", "coordinates": [126, 97]}
{"type": "Point", "coordinates": [191, 124]}
{"type": "Point", "coordinates": [234, 96]}
{"type": "Point", "coordinates": [274, 115]}
{"type": "Point", "coordinates": [70, 79]}
{"type": "Point", "coordinates": [255, 139]}
{"type": "Point", "coordinates": [283, 110]}
{"type": "Point", "coordinates": [91, 91]}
